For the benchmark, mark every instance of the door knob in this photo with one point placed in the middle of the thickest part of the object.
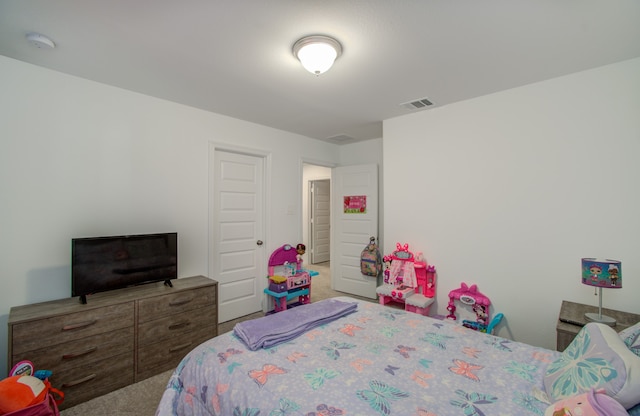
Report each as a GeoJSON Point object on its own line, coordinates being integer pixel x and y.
{"type": "Point", "coordinates": [259, 242]}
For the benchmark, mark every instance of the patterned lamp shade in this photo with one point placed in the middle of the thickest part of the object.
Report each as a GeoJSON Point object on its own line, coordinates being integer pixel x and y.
{"type": "Point", "coordinates": [605, 273]}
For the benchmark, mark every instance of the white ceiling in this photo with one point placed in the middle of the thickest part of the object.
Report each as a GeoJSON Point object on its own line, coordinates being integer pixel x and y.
{"type": "Point", "coordinates": [233, 57]}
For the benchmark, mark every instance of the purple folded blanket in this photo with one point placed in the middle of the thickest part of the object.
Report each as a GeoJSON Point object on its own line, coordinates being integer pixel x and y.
{"type": "Point", "coordinates": [286, 325]}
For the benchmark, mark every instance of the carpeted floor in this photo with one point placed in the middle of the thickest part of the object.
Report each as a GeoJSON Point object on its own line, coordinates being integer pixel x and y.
{"type": "Point", "coordinates": [142, 398]}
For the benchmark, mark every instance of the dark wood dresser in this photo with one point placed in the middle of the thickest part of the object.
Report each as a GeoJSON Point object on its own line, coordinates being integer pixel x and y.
{"type": "Point", "coordinates": [116, 339]}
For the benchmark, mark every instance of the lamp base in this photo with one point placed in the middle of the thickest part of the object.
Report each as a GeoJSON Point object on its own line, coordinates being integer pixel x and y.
{"type": "Point", "coordinates": [603, 319]}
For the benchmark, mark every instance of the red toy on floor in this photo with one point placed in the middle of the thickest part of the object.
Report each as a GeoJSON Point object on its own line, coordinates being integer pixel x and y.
{"type": "Point", "coordinates": [25, 395]}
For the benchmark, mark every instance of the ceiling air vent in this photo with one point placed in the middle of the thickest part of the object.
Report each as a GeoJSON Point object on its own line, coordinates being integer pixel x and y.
{"type": "Point", "coordinates": [417, 104]}
{"type": "Point", "coordinates": [340, 139]}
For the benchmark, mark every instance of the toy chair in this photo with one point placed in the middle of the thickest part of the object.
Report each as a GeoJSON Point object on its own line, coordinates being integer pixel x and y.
{"type": "Point", "coordinates": [494, 322]}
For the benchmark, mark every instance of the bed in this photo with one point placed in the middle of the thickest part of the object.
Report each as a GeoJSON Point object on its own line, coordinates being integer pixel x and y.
{"type": "Point", "coordinates": [379, 360]}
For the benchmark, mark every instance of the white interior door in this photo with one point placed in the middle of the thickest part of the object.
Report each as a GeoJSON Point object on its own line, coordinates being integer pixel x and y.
{"type": "Point", "coordinates": [320, 220]}
{"type": "Point", "coordinates": [351, 230]}
{"type": "Point", "coordinates": [238, 261]}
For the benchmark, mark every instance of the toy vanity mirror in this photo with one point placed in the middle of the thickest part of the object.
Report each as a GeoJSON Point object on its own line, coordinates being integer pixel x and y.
{"type": "Point", "coordinates": [467, 300]}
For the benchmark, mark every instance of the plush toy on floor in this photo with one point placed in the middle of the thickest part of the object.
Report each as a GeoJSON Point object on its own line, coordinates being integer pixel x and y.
{"type": "Point", "coordinates": [18, 392]}
{"type": "Point", "coordinates": [28, 392]}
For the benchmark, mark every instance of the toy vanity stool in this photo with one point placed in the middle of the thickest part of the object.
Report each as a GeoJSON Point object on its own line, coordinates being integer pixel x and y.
{"type": "Point", "coordinates": [408, 280]}
{"type": "Point", "coordinates": [480, 305]}
{"type": "Point", "coordinates": [287, 278]}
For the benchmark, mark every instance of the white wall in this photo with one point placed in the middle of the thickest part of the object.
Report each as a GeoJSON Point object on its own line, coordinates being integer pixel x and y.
{"type": "Point", "coordinates": [361, 153]}
{"type": "Point", "coordinates": [510, 190]}
{"type": "Point", "coordinates": [80, 158]}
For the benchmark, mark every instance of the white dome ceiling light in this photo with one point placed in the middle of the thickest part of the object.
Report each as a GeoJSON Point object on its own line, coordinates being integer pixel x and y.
{"type": "Point", "coordinates": [317, 53]}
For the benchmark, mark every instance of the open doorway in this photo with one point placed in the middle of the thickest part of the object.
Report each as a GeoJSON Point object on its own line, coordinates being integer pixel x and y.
{"type": "Point", "coordinates": [316, 209]}
{"type": "Point", "coordinates": [320, 220]}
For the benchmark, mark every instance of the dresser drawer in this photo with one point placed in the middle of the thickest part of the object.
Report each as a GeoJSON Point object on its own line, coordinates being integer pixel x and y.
{"type": "Point", "coordinates": [70, 327]}
{"type": "Point", "coordinates": [155, 307]}
{"type": "Point", "coordinates": [175, 326]}
{"type": "Point", "coordinates": [118, 338]}
{"type": "Point", "coordinates": [165, 355]}
{"type": "Point", "coordinates": [94, 379]}
{"type": "Point", "coordinates": [80, 352]}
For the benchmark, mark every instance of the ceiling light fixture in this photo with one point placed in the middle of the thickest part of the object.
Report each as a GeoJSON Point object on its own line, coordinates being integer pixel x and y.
{"type": "Point", "coordinates": [317, 53]}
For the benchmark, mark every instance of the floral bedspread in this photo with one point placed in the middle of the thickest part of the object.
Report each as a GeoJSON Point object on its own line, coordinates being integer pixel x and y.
{"type": "Point", "coordinates": [378, 360]}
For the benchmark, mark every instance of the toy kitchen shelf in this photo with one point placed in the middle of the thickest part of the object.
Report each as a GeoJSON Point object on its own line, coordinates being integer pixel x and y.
{"type": "Point", "coordinates": [287, 279]}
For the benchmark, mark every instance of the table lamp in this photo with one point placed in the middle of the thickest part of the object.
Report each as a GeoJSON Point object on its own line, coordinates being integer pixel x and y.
{"type": "Point", "coordinates": [601, 274]}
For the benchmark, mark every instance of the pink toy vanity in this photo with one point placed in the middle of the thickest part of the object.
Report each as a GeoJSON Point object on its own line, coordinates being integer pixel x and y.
{"type": "Point", "coordinates": [409, 281]}
{"type": "Point", "coordinates": [287, 279]}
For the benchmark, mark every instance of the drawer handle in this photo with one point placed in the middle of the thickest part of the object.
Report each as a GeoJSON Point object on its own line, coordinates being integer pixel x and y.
{"type": "Point", "coordinates": [82, 380]}
{"type": "Point", "coordinates": [79, 354]}
{"type": "Point", "coordinates": [179, 325]}
{"type": "Point", "coordinates": [180, 347]}
{"type": "Point", "coordinates": [80, 325]}
{"type": "Point", "coordinates": [180, 302]}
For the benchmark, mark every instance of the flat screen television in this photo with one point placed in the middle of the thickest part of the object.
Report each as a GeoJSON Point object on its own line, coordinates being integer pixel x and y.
{"type": "Point", "coordinates": [99, 264]}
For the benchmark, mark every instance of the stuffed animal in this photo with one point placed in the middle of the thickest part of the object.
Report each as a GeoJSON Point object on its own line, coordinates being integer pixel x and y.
{"type": "Point", "coordinates": [592, 403]}
{"type": "Point", "coordinates": [18, 392]}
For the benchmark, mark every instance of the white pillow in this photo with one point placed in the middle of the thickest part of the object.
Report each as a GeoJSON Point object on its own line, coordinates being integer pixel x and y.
{"type": "Point", "coordinates": [596, 358]}
{"type": "Point", "coordinates": [631, 338]}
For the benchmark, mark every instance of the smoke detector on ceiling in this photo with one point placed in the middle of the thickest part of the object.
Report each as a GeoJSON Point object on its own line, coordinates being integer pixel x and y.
{"type": "Point", "coordinates": [40, 41]}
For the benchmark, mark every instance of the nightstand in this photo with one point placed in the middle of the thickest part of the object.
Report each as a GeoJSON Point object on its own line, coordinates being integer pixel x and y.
{"type": "Point", "coordinates": [571, 320]}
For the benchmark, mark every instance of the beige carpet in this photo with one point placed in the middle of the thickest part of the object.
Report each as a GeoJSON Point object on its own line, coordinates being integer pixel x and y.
{"type": "Point", "coordinates": [142, 398]}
